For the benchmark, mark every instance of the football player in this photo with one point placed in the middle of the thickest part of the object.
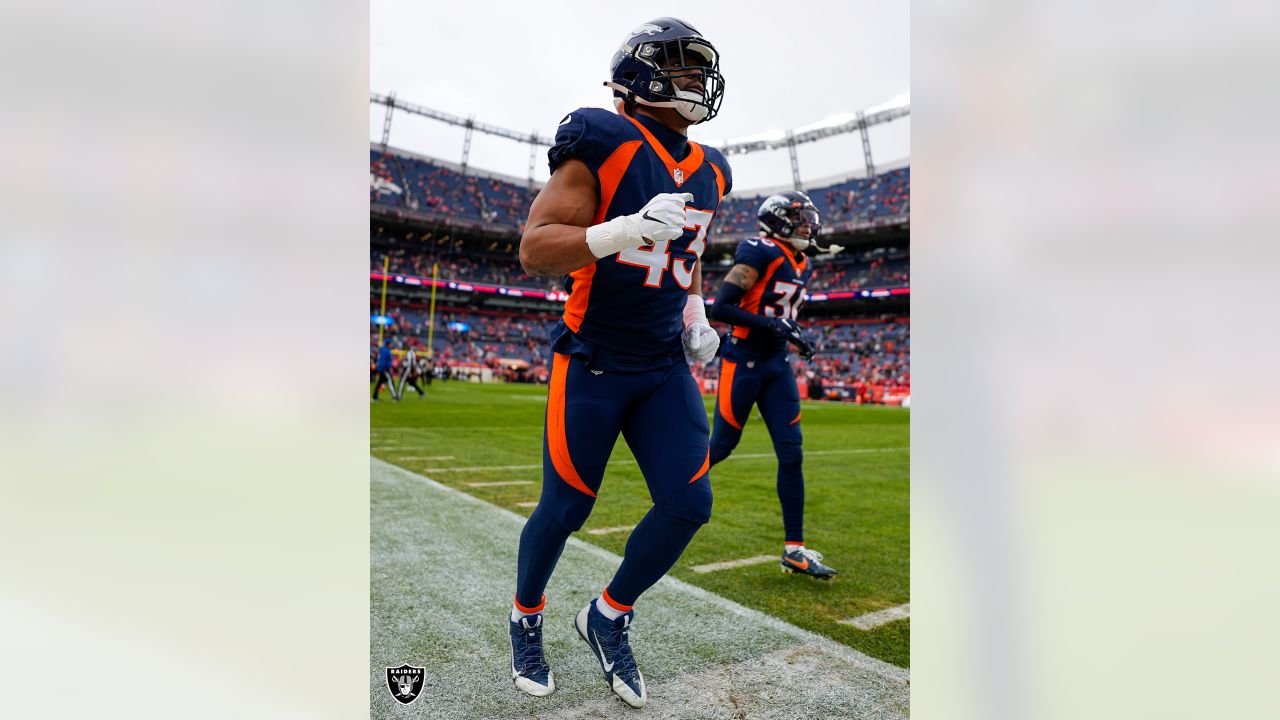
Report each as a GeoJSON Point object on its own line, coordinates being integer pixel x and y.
{"type": "Point", "coordinates": [624, 219]}
{"type": "Point", "coordinates": [760, 298]}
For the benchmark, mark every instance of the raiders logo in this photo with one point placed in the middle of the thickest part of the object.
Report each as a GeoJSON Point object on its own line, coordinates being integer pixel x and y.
{"type": "Point", "coordinates": [405, 682]}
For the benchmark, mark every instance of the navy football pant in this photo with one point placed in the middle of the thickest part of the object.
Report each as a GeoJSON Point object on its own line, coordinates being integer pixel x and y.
{"type": "Point", "coordinates": [768, 381]}
{"type": "Point", "coordinates": [661, 416]}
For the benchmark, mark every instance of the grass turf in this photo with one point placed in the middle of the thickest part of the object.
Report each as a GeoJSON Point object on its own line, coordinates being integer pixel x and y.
{"type": "Point", "coordinates": [856, 505]}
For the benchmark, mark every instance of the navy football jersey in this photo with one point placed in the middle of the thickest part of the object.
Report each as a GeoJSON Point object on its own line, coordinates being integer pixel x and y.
{"type": "Point", "coordinates": [779, 289]}
{"type": "Point", "coordinates": [625, 311]}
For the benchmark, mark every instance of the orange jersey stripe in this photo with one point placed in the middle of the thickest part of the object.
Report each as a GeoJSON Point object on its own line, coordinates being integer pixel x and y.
{"type": "Point", "coordinates": [575, 308]}
{"type": "Point", "coordinates": [791, 256]}
{"type": "Point", "coordinates": [706, 465]}
{"type": "Point", "coordinates": [610, 174]}
{"type": "Point", "coordinates": [727, 367]}
{"type": "Point", "coordinates": [557, 443]}
{"type": "Point", "coordinates": [719, 179]}
{"type": "Point", "coordinates": [751, 301]}
{"type": "Point", "coordinates": [687, 167]}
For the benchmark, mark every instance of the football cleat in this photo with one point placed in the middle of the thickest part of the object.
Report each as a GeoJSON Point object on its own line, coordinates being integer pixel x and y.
{"type": "Point", "coordinates": [529, 669]}
{"type": "Point", "coordinates": [806, 562]}
{"type": "Point", "coordinates": [608, 640]}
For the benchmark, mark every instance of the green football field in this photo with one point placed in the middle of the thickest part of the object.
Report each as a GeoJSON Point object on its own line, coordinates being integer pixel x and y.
{"type": "Point", "coordinates": [857, 497]}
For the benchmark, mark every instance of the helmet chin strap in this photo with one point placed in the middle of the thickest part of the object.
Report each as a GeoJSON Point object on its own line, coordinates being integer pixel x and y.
{"type": "Point", "coordinates": [689, 105]}
{"type": "Point", "coordinates": [691, 108]}
{"type": "Point", "coordinates": [799, 243]}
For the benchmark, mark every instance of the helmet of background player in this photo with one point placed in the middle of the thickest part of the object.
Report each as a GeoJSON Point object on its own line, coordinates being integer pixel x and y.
{"type": "Point", "coordinates": [791, 216]}
{"type": "Point", "coordinates": [653, 55]}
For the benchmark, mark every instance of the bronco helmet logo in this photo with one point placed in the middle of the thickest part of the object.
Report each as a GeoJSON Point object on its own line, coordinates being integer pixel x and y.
{"type": "Point", "coordinates": [405, 682]}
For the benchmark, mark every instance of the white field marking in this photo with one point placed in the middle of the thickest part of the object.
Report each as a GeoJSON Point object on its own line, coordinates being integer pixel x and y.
{"type": "Point", "coordinates": [606, 531]}
{"type": "Point", "coordinates": [741, 456]}
{"type": "Point", "coordinates": [538, 398]}
{"type": "Point", "coordinates": [730, 564]}
{"type": "Point", "coordinates": [531, 503]}
{"type": "Point", "coordinates": [500, 484]}
{"type": "Point", "coordinates": [873, 620]}
{"type": "Point", "coordinates": [424, 457]}
{"type": "Point", "coordinates": [861, 660]}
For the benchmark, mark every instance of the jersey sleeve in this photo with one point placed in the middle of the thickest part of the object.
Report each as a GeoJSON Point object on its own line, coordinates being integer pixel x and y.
{"type": "Point", "coordinates": [723, 163]}
{"type": "Point", "coordinates": [580, 138]}
{"type": "Point", "coordinates": [753, 253]}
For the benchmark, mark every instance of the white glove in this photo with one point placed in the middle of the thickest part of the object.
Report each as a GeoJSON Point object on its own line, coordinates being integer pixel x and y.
{"type": "Point", "coordinates": [700, 341]}
{"type": "Point", "coordinates": [662, 218]}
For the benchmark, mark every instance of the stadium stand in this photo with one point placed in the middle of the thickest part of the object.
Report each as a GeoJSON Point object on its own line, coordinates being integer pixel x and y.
{"type": "Point", "coordinates": [470, 225]}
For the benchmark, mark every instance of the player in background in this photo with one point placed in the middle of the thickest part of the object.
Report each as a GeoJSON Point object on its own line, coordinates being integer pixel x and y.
{"type": "Point", "coordinates": [761, 297]}
{"type": "Point", "coordinates": [624, 217]}
{"type": "Point", "coordinates": [383, 373]}
{"type": "Point", "coordinates": [414, 372]}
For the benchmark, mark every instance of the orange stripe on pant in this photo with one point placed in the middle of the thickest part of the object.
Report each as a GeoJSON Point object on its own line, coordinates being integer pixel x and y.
{"type": "Point", "coordinates": [557, 443]}
{"type": "Point", "coordinates": [793, 422]}
{"type": "Point", "coordinates": [706, 465]}
{"type": "Point", "coordinates": [727, 367]}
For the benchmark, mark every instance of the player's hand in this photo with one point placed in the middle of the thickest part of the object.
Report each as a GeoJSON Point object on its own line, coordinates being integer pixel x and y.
{"type": "Point", "coordinates": [700, 343]}
{"type": "Point", "coordinates": [663, 217]}
{"type": "Point", "coordinates": [792, 332]}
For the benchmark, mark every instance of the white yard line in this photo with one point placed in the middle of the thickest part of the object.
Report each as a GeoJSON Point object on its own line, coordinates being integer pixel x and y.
{"type": "Point", "coordinates": [531, 503]}
{"type": "Point", "coordinates": [704, 655]}
{"type": "Point", "coordinates": [608, 530]}
{"type": "Point", "coordinates": [873, 620]}
{"type": "Point", "coordinates": [500, 484]}
{"type": "Point", "coordinates": [875, 666]}
{"type": "Point", "coordinates": [730, 564]}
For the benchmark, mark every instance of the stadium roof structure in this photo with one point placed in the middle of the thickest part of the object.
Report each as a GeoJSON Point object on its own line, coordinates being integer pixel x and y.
{"type": "Point", "coordinates": [839, 124]}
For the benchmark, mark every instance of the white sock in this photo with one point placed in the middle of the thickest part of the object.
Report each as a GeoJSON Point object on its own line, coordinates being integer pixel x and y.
{"type": "Point", "coordinates": [517, 613]}
{"type": "Point", "coordinates": [608, 610]}
{"type": "Point", "coordinates": [792, 547]}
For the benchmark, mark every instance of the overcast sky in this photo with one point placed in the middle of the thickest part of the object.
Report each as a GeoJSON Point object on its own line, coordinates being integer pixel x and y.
{"type": "Point", "coordinates": [524, 65]}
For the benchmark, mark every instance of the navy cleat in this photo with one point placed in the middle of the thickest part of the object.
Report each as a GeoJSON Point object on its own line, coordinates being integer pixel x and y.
{"type": "Point", "coordinates": [806, 562]}
{"type": "Point", "coordinates": [529, 669]}
{"type": "Point", "coordinates": [608, 640]}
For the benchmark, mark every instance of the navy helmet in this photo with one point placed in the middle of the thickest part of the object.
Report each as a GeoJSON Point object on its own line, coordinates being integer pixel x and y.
{"type": "Point", "coordinates": [782, 216]}
{"type": "Point", "coordinates": [659, 50]}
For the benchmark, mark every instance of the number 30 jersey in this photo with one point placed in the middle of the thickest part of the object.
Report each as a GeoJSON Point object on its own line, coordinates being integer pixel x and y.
{"type": "Point", "coordinates": [625, 311]}
{"type": "Point", "coordinates": [778, 292]}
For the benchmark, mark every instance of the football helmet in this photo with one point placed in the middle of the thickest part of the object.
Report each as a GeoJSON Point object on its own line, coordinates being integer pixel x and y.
{"type": "Point", "coordinates": [783, 216]}
{"type": "Point", "coordinates": [662, 49]}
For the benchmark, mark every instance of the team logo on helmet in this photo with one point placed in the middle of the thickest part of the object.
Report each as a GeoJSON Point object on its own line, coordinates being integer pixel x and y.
{"type": "Point", "coordinates": [645, 29]}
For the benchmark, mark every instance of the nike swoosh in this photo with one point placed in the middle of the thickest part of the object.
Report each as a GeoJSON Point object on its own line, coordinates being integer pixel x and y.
{"type": "Point", "coordinates": [753, 242]}
{"type": "Point", "coordinates": [608, 667]}
{"type": "Point", "coordinates": [805, 566]}
{"type": "Point", "coordinates": [566, 119]}
{"type": "Point", "coordinates": [647, 216]}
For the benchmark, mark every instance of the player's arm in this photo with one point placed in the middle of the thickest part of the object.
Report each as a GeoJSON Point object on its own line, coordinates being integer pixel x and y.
{"type": "Point", "coordinates": [559, 237]}
{"type": "Point", "coordinates": [700, 339]}
{"type": "Point", "coordinates": [741, 278]}
{"type": "Point", "coordinates": [555, 236]}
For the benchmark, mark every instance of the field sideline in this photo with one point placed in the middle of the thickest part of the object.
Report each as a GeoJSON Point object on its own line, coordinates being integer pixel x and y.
{"type": "Point", "coordinates": [485, 440]}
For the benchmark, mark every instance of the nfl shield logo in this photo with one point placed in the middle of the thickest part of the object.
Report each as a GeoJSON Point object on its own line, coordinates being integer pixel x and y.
{"type": "Point", "coordinates": [405, 682]}
{"type": "Point", "coordinates": [678, 174]}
